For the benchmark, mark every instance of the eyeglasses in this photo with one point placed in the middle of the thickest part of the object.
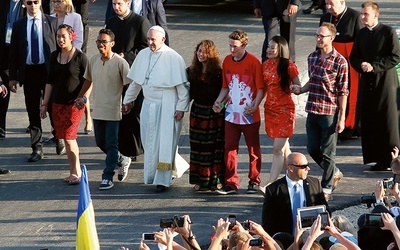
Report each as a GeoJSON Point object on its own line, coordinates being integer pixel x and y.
{"type": "Point", "coordinates": [32, 2]}
{"type": "Point", "coordinates": [57, 1]}
{"type": "Point", "coordinates": [103, 42]}
{"type": "Point", "coordinates": [303, 166]}
{"type": "Point", "coordinates": [318, 36]}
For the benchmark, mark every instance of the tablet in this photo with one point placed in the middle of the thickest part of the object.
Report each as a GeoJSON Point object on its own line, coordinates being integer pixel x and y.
{"type": "Point", "coordinates": [308, 215]}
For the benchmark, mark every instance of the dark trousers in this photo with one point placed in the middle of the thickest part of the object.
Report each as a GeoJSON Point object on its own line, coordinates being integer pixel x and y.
{"type": "Point", "coordinates": [321, 145]}
{"type": "Point", "coordinates": [277, 25]}
{"type": "Point", "coordinates": [4, 101]}
{"type": "Point", "coordinates": [82, 7]}
{"type": "Point", "coordinates": [106, 135]}
{"type": "Point", "coordinates": [34, 84]}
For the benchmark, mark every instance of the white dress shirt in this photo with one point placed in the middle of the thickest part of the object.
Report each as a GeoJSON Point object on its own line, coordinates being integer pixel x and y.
{"type": "Point", "coordinates": [38, 23]}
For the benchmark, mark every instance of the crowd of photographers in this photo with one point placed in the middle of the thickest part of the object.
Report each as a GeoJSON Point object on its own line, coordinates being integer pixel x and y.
{"type": "Point", "coordinates": [378, 230]}
{"type": "Point", "coordinates": [336, 233]}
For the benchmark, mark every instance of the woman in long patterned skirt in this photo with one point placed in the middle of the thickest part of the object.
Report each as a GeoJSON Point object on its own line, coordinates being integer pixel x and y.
{"type": "Point", "coordinates": [207, 166]}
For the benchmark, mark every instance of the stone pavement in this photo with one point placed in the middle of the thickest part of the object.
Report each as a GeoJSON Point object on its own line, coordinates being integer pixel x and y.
{"type": "Point", "coordinates": [38, 210]}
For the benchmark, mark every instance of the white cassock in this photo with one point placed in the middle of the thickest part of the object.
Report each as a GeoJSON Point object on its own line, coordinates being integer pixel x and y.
{"type": "Point", "coordinates": [162, 76]}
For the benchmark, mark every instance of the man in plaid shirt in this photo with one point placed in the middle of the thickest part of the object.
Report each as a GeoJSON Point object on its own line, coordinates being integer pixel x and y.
{"type": "Point", "coordinates": [326, 104]}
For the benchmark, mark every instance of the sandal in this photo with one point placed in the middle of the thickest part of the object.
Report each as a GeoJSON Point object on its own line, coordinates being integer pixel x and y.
{"type": "Point", "coordinates": [67, 179]}
{"type": "Point", "coordinates": [74, 180]}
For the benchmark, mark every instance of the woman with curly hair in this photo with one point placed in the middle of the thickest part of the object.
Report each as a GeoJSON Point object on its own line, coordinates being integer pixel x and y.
{"type": "Point", "coordinates": [65, 81]}
{"type": "Point", "coordinates": [207, 166]}
{"type": "Point", "coordinates": [279, 109]}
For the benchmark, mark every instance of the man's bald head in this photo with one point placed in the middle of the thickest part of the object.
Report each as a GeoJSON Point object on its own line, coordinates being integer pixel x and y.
{"type": "Point", "coordinates": [297, 166]}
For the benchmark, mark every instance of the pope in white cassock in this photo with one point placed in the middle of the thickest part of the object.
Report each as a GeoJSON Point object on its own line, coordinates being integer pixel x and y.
{"type": "Point", "coordinates": [161, 73]}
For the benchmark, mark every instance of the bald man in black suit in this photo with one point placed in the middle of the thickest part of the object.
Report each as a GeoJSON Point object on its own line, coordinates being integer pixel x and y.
{"type": "Point", "coordinates": [277, 207]}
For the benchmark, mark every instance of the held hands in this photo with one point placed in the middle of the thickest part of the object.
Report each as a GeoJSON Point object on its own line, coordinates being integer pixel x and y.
{"type": "Point", "coordinates": [217, 107]}
{"type": "Point", "coordinates": [295, 89]}
{"type": "Point", "coordinates": [13, 86]}
{"type": "Point", "coordinates": [126, 108]}
{"type": "Point", "coordinates": [249, 110]}
{"type": "Point", "coordinates": [178, 115]}
{"type": "Point", "coordinates": [79, 103]}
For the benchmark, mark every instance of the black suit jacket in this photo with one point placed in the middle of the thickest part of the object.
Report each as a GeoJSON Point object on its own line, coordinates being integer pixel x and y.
{"type": "Point", "coordinates": [277, 209]}
{"type": "Point", "coordinates": [19, 45]}
{"type": "Point", "coordinates": [273, 8]}
{"type": "Point", "coordinates": [154, 11]}
{"type": "Point", "coordinates": [4, 48]}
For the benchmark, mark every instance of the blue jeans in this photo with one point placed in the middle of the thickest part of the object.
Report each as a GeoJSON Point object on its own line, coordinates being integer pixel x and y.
{"type": "Point", "coordinates": [106, 135]}
{"type": "Point", "coordinates": [321, 145]}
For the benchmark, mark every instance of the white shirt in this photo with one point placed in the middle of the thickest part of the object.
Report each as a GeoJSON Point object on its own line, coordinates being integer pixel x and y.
{"type": "Point", "coordinates": [291, 184]}
{"type": "Point", "coordinates": [137, 6]}
{"type": "Point", "coordinates": [38, 23]}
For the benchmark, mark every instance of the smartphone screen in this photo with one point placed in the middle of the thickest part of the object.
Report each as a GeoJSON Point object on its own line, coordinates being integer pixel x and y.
{"type": "Point", "coordinates": [255, 242]}
{"type": "Point", "coordinates": [148, 236]}
{"type": "Point", "coordinates": [373, 220]}
{"type": "Point", "coordinates": [232, 220]}
{"type": "Point", "coordinates": [324, 220]}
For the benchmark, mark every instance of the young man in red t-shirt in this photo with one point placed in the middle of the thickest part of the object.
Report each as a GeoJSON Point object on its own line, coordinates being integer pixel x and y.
{"type": "Point", "coordinates": [242, 90]}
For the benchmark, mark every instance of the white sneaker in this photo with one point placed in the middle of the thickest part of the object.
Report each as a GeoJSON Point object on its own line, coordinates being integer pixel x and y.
{"type": "Point", "coordinates": [106, 184]}
{"type": "Point", "coordinates": [124, 168]}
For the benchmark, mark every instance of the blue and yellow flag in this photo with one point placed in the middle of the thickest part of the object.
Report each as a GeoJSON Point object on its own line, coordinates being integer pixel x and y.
{"type": "Point", "coordinates": [86, 232]}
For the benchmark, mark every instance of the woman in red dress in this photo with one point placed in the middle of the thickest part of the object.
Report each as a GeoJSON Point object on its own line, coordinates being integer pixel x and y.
{"type": "Point", "coordinates": [64, 84]}
{"type": "Point", "coordinates": [279, 74]}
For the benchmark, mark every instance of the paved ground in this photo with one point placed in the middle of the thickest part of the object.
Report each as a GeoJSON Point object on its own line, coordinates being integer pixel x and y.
{"type": "Point", "coordinates": [38, 210]}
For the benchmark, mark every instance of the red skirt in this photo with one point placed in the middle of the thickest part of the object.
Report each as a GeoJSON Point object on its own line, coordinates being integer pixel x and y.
{"type": "Point", "coordinates": [66, 119]}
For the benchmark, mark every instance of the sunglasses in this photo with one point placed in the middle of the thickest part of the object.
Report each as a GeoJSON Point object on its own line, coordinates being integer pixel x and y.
{"type": "Point", "coordinates": [32, 2]}
{"type": "Point", "coordinates": [303, 166]}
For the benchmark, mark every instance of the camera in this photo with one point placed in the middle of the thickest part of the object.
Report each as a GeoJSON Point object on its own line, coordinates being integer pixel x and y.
{"type": "Point", "coordinates": [177, 221]}
{"type": "Point", "coordinates": [373, 220]}
{"type": "Point", "coordinates": [324, 220]}
{"type": "Point", "coordinates": [232, 220]}
{"type": "Point", "coordinates": [368, 199]}
{"type": "Point", "coordinates": [256, 242]}
{"type": "Point", "coordinates": [246, 225]}
{"type": "Point", "coordinates": [388, 183]}
{"type": "Point", "coordinates": [148, 236]}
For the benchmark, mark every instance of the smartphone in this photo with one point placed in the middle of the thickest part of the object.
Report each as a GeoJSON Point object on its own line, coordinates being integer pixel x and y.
{"type": "Point", "coordinates": [373, 220]}
{"type": "Point", "coordinates": [324, 220]}
{"type": "Point", "coordinates": [148, 236]}
{"type": "Point", "coordinates": [396, 178]}
{"type": "Point", "coordinates": [246, 224]}
{"type": "Point", "coordinates": [256, 242]}
{"type": "Point", "coordinates": [232, 220]}
{"type": "Point", "coordinates": [387, 183]}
